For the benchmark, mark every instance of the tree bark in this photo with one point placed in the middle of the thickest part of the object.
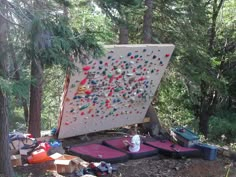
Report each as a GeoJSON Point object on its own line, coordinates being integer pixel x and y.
{"type": "Point", "coordinates": [35, 98]}
{"type": "Point", "coordinates": [6, 169]}
{"type": "Point", "coordinates": [124, 34]}
{"type": "Point", "coordinates": [209, 97]}
{"type": "Point", "coordinates": [147, 22]}
{"type": "Point", "coordinates": [215, 13]}
{"type": "Point", "coordinates": [204, 123]}
{"type": "Point", "coordinates": [154, 126]}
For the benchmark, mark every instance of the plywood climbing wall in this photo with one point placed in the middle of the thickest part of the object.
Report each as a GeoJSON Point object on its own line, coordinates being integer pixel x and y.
{"type": "Point", "coordinates": [113, 91]}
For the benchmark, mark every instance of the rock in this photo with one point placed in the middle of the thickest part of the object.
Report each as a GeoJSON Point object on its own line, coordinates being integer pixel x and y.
{"type": "Point", "coordinates": [177, 168]}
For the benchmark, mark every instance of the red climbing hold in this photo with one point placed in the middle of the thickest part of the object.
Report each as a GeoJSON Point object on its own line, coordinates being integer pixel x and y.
{"type": "Point", "coordinates": [111, 79]}
{"type": "Point", "coordinates": [110, 94]}
{"type": "Point", "coordinates": [88, 92]}
{"type": "Point", "coordinates": [83, 81]}
{"type": "Point", "coordinates": [86, 68]}
{"type": "Point", "coordinates": [141, 78]}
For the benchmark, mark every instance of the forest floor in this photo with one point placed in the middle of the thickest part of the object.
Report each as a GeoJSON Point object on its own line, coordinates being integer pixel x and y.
{"type": "Point", "coordinates": [155, 166]}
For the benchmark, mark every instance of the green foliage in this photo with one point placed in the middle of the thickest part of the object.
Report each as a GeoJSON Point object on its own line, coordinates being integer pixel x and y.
{"type": "Point", "coordinates": [120, 11]}
{"type": "Point", "coordinates": [53, 42]}
{"type": "Point", "coordinates": [52, 91]}
{"type": "Point", "coordinates": [173, 103]}
{"type": "Point", "coordinates": [16, 88]}
{"type": "Point", "coordinates": [222, 127]}
{"type": "Point", "coordinates": [86, 15]}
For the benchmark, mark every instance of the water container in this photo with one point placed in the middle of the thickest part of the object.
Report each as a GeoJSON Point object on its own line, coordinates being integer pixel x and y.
{"type": "Point", "coordinates": [209, 152]}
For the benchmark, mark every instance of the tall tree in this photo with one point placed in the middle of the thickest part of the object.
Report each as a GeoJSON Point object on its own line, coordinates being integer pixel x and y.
{"type": "Point", "coordinates": [52, 41]}
{"type": "Point", "coordinates": [209, 95]}
{"type": "Point", "coordinates": [147, 22]}
{"type": "Point", "coordinates": [120, 12]}
{"type": "Point", "coordinates": [34, 125]}
{"type": "Point", "coordinates": [5, 164]}
{"type": "Point", "coordinates": [154, 126]}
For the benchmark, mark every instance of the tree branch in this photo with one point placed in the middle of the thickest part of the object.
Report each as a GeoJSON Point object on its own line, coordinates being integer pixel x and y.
{"type": "Point", "coordinates": [7, 20]}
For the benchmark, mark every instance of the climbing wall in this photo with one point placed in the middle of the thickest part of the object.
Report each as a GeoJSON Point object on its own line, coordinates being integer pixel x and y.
{"type": "Point", "coordinates": [113, 91]}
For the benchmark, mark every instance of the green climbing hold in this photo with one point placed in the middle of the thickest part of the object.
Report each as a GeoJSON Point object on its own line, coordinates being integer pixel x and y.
{"type": "Point", "coordinates": [118, 89]}
{"type": "Point", "coordinates": [104, 72]}
{"type": "Point", "coordinates": [109, 75]}
{"type": "Point", "coordinates": [84, 106]}
{"type": "Point", "coordinates": [139, 66]}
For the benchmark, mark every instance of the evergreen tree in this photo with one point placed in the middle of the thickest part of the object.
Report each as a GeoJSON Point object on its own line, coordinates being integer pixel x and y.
{"type": "Point", "coordinates": [5, 165]}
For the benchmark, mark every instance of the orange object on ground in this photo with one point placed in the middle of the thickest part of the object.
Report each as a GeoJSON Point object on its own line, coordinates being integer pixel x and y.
{"type": "Point", "coordinates": [39, 156]}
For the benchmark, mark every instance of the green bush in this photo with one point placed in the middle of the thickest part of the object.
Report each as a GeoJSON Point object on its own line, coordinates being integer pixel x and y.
{"type": "Point", "coordinates": [222, 127]}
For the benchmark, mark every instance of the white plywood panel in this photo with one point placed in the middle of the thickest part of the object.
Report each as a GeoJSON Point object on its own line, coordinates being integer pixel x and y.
{"type": "Point", "coordinates": [113, 91]}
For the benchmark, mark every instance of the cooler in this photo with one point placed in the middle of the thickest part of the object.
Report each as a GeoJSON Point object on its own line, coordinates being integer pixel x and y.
{"type": "Point", "coordinates": [184, 136]}
{"type": "Point", "coordinates": [209, 152]}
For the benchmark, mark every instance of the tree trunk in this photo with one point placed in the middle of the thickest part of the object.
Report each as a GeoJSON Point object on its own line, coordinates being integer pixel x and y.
{"type": "Point", "coordinates": [209, 97]}
{"type": "Point", "coordinates": [124, 34]}
{"type": "Point", "coordinates": [35, 98]}
{"type": "Point", "coordinates": [17, 77]}
{"type": "Point", "coordinates": [147, 22]}
{"type": "Point", "coordinates": [6, 169]}
{"type": "Point", "coordinates": [5, 165]}
{"type": "Point", "coordinates": [204, 123]}
{"type": "Point", "coordinates": [154, 125]}
{"type": "Point", "coordinates": [215, 13]}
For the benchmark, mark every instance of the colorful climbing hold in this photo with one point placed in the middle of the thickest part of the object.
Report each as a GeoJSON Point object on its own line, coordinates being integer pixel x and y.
{"type": "Point", "coordinates": [86, 68]}
{"type": "Point", "coordinates": [83, 81]}
{"type": "Point", "coordinates": [118, 89]}
{"type": "Point", "coordinates": [84, 106]}
{"type": "Point", "coordinates": [88, 92]}
{"type": "Point", "coordinates": [109, 75]}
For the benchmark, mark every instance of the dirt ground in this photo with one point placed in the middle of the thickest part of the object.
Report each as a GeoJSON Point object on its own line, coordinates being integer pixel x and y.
{"type": "Point", "coordinates": [155, 166]}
